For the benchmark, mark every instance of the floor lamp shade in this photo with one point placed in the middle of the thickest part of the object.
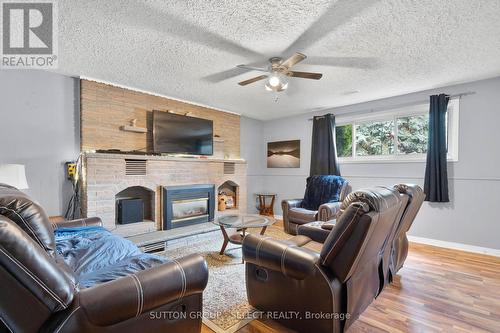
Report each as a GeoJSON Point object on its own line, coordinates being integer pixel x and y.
{"type": "Point", "coordinates": [13, 175]}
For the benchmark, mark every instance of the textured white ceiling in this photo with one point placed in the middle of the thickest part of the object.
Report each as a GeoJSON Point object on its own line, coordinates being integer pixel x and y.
{"type": "Point", "coordinates": [189, 49]}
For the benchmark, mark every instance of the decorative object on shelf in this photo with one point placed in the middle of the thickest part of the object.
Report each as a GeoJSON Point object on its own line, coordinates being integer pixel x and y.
{"type": "Point", "coordinates": [133, 127]}
{"type": "Point", "coordinates": [229, 201]}
{"type": "Point", "coordinates": [13, 175]}
{"type": "Point", "coordinates": [283, 154]}
{"type": "Point", "coordinates": [222, 202]}
{"type": "Point", "coordinates": [188, 114]}
{"type": "Point", "coordinates": [217, 138]}
{"type": "Point", "coordinates": [266, 208]}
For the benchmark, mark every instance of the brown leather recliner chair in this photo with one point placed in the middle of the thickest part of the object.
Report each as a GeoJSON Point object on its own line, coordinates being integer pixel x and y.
{"type": "Point", "coordinates": [296, 213]}
{"type": "Point", "coordinates": [328, 285]}
{"type": "Point", "coordinates": [39, 292]}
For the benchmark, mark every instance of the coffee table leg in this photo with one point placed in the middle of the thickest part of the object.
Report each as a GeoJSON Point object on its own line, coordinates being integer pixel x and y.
{"type": "Point", "coordinates": [226, 240]}
{"type": "Point", "coordinates": [263, 230]}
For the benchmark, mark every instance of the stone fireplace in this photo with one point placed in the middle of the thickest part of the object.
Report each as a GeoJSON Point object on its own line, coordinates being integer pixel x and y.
{"type": "Point", "coordinates": [110, 177]}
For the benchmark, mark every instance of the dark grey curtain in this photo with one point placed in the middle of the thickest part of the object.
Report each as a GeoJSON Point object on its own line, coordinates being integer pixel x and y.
{"type": "Point", "coordinates": [323, 149]}
{"type": "Point", "coordinates": [436, 172]}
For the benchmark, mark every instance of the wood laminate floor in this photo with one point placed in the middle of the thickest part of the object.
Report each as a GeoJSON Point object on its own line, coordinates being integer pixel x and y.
{"type": "Point", "coordinates": [438, 290]}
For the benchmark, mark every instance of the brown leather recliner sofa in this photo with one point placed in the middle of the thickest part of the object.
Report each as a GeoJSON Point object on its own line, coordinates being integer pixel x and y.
{"type": "Point", "coordinates": [325, 286]}
{"type": "Point", "coordinates": [39, 292]}
{"type": "Point", "coordinates": [399, 250]}
{"type": "Point", "coordinates": [396, 249]}
{"type": "Point", "coordinates": [321, 202]}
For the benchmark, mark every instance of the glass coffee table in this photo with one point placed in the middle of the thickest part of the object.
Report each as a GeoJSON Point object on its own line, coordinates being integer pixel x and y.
{"type": "Point", "coordinates": [240, 222]}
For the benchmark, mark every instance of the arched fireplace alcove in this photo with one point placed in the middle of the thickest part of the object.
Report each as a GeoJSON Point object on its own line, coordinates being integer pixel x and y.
{"type": "Point", "coordinates": [231, 191]}
{"type": "Point", "coordinates": [138, 192]}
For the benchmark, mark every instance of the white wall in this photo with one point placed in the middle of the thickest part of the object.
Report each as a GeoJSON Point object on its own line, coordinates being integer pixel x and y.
{"type": "Point", "coordinates": [470, 218]}
{"type": "Point", "coordinates": [39, 128]}
{"type": "Point", "coordinates": [251, 149]}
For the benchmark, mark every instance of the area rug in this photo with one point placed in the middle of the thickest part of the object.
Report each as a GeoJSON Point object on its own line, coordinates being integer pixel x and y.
{"type": "Point", "coordinates": [225, 305]}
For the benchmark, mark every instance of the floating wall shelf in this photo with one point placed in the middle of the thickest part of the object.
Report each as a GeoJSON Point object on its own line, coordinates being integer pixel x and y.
{"type": "Point", "coordinates": [135, 129]}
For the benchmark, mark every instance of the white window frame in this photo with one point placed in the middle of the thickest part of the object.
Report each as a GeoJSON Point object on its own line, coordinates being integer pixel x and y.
{"type": "Point", "coordinates": [414, 110]}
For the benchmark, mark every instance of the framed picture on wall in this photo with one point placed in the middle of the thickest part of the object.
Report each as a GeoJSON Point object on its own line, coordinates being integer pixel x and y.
{"type": "Point", "coordinates": [283, 154]}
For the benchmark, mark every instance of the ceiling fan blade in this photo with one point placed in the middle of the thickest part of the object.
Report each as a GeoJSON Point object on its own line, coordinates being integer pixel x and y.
{"type": "Point", "coordinates": [337, 14]}
{"type": "Point", "coordinates": [293, 60]}
{"type": "Point", "coordinates": [252, 80]}
{"type": "Point", "coordinates": [252, 68]}
{"type": "Point", "coordinates": [305, 75]}
{"type": "Point", "coordinates": [349, 62]}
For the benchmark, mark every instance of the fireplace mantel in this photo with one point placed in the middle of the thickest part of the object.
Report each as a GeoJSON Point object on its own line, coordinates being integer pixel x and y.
{"type": "Point", "coordinates": [163, 158]}
{"type": "Point", "coordinates": [106, 175]}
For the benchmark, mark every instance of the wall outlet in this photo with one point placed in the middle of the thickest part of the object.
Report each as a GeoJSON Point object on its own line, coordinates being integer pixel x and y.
{"type": "Point", "coordinates": [71, 170]}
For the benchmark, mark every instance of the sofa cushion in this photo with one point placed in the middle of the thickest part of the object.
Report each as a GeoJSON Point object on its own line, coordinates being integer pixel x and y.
{"type": "Point", "coordinates": [28, 215]}
{"type": "Point", "coordinates": [301, 215]}
{"type": "Point", "coordinates": [97, 256]}
{"type": "Point", "coordinates": [322, 189]}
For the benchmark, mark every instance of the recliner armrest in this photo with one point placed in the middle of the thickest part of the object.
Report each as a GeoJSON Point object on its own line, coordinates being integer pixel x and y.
{"type": "Point", "coordinates": [328, 211]}
{"type": "Point", "coordinates": [292, 261]}
{"type": "Point", "coordinates": [315, 232]}
{"type": "Point", "coordinates": [129, 296]}
{"type": "Point", "coordinates": [286, 205]}
{"type": "Point", "coordinates": [84, 222]}
{"type": "Point", "coordinates": [291, 203]}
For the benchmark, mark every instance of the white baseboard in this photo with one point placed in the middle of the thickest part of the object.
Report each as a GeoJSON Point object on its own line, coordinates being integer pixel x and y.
{"type": "Point", "coordinates": [278, 217]}
{"type": "Point", "coordinates": [455, 246]}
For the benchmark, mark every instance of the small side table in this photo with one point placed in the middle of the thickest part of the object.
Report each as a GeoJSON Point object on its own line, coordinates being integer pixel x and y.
{"type": "Point", "coordinates": [265, 207]}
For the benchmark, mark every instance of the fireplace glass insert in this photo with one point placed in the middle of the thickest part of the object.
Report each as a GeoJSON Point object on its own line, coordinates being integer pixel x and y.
{"type": "Point", "coordinates": [187, 205]}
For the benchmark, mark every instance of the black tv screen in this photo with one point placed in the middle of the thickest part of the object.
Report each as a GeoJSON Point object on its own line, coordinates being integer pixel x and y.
{"type": "Point", "coordinates": [173, 133]}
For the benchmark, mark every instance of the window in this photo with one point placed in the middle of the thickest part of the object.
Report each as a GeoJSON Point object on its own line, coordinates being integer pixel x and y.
{"type": "Point", "coordinates": [398, 135]}
{"type": "Point", "coordinates": [375, 138]}
{"type": "Point", "coordinates": [413, 133]}
{"type": "Point", "coordinates": [343, 136]}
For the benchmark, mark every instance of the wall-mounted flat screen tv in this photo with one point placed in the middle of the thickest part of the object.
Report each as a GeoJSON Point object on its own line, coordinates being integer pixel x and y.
{"type": "Point", "coordinates": [174, 133]}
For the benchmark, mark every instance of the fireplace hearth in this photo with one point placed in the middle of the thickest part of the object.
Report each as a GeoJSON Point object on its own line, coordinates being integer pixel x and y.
{"type": "Point", "coordinates": [187, 205]}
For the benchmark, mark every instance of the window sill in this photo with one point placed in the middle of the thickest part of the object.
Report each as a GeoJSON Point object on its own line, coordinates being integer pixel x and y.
{"type": "Point", "coordinates": [389, 160]}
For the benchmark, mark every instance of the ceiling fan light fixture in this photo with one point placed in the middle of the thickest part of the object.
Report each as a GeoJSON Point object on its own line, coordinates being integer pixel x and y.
{"type": "Point", "coordinates": [278, 73]}
{"type": "Point", "coordinates": [276, 82]}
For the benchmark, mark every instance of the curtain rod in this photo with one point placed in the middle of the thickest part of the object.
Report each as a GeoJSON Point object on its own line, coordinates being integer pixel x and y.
{"type": "Point", "coordinates": [454, 96]}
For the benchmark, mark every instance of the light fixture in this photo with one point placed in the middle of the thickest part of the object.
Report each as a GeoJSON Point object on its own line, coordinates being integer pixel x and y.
{"type": "Point", "coordinates": [276, 82]}
{"type": "Point", "coordinates": [13, 175]}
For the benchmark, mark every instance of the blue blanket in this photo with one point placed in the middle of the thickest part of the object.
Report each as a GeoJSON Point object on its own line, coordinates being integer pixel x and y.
{"type": "Point", "coordinates": [97, 256]}
{"type": "Point", "coordinates": [322, 189]}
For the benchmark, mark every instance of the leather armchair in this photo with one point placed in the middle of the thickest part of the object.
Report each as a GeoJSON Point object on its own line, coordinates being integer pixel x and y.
{"type": "Point", "coordinates": [40, 293]}
{"type": "Point", "coordinates": [295, 214]}
{"type": "Point", "coordinates": [327, 284]}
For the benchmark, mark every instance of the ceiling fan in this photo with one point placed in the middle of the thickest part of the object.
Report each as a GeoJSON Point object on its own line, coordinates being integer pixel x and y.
{"type": "Point", "coordinates": [278, 73]}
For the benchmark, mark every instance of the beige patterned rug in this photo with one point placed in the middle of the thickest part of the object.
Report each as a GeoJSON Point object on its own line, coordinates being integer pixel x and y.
{"type": "Point", "coordinates": [225, 306]}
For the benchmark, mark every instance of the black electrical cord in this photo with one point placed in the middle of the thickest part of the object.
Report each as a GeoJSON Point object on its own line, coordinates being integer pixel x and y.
{"type": "Point", "coordinates": [74, 204]}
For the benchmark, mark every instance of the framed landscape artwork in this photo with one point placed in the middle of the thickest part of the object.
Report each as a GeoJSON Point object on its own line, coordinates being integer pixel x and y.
{"type": "Point", "coordinates": [283, 154]}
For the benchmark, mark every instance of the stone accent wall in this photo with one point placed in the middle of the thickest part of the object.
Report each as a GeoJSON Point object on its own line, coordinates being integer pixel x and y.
{"type": "Point", "coordinates": [105, 177]}
{"type": "Point", "coordinates": [105, 108]}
